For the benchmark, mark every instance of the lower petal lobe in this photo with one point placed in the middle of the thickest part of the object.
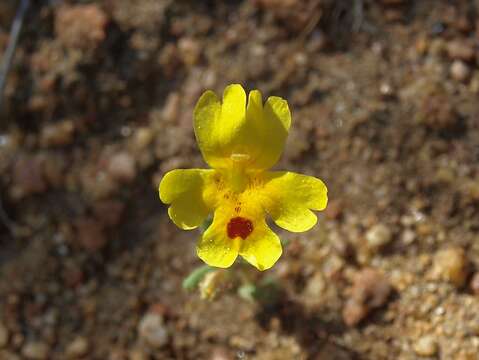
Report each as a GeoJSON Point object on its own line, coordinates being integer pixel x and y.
{"type": "Point", "coordinates": [215, 247]}
{"type": "Point", "coordinates": [290, 197]}
{"type": "Point", "coordinates": [262, 248]}
{"type": "Point", "coordinates": [184, 190]}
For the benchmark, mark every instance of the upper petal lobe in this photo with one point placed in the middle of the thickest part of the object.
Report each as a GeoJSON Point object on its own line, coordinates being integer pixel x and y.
{"type": "Point", "coordinates": [232, 130]}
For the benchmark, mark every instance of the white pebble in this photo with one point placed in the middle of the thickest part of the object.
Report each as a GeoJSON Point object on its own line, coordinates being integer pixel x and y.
{"type": "Point", "coordinates": [378, 236]}
{"type": "Point", "coordinates": [426, 346]}
{"type": "Point", "coordinates": [36, 351]}
{"type": "Point", "coordinates": [153, 331]}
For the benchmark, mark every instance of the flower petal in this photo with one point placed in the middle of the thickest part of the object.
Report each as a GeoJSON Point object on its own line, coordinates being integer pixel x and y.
{"type": "Point", "coordinates": [186, 191]}
{"type": "Point", "coordinates": [215, 248]}
{"type": "Point", "coordinates": [230, 131]}
{"type": "Point", "coordinates": [265, 130]}
{"type": "Point", "coordinates": [217, 125]}
{"type": "Point", "coordinates": [290, 197]}
{"type": "Point", "coordinates": [262, 248]}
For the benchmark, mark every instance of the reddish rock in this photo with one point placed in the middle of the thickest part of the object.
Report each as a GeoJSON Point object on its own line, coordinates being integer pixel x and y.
{"type": "Point", "coordinates": [370, 290]}
{"type": "Point", "coordinates": [81, 26]}
{"type": "Point", "coordinates": [90, 234]}
{"type": "Point", "coordinates": [109, 212]}
{"type": "Point", "coordinates": [28, 177]}
{"type": "Point", "coordinates": [437, 113]}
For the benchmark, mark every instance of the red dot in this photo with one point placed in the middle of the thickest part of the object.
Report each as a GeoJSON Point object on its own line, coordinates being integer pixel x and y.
{"type": "Point", "coordinates": [239, 226]}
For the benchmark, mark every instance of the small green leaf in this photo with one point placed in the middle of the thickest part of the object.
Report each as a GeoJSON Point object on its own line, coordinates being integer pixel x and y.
{"type": "Point", "coordinates": [194, 278]}
{"type": "Point", "coordinates": [247, 292]}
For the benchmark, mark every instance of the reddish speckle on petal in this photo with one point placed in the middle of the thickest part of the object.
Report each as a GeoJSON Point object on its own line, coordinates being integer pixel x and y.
{"type": "Point", "coordinates": [239, 226]}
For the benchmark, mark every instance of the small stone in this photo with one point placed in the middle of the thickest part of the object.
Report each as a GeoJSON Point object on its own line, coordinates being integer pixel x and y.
{"type": "Point", "coordinates": [81, 26]}
{"type": "Point", "coordinates": [475, 283]}
{"type": "Point", "coordinates": [408, 237]}
{"type": "Point", "coordinates": [220, 353]}
{"type": "Point", "coordinates": [461, 50]}
{"type": "Point", "coordinates": [28, 177]}
{"type": "Point", "coordinates": [90, 234]}
{"type": "Point", "coordinates": [171, 108]}
{"type": "Point", "coordinates": [386, 91]}
{"type": "Point", "coordinates": [97, 184]}
{"type": "Point", "coordinates": [426, 346]}
{"type": "Point", "coordinates": [451, 265]}
{"type": "Point", "coordinates": [189, 50]}
{"type": "Point", "coordinates": [460, 71]}
{"type": "Point", "coordinates": [437, 113]}
{"type": "Point", "coordinates": [36, 351]}
{"type": "Point", "coordinates": [153, 331]}
{"type": "Point", "coordinates": [378, 236]}
{"type": "Point", "coordinates": [109, 212]}
{"type": "Point", "coordinates": [138, 354]}
{"type": "Point", "coordinates": [57, 134]}
{"type": "Point", "coordinates": [77, 348]}
{"type": "Point", "coordinates": [3, 336]}
{"type": "Point", "coordinates": [354, 312]}
{"type": "Point", "coordinates": [142, 138]}
{"type": "Point", "coordinates": [7, 355]}
{"type": "Point", "coordinates": [122, 167]}
{"type": "Point", "coordinates": [370, 290]}
{"type": "Point", "coordinates": [315, 286]}
{"type": "Point", "coordinates": [334, 209]}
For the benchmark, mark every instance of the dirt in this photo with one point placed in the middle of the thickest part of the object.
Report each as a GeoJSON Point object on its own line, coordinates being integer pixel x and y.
{"type": "Point", "coordinates": [98, 106]}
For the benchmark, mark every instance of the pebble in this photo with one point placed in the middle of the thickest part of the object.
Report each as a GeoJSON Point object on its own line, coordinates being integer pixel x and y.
{"type": "Point", "coordinates": [153, 331]}
{"type": "Point", "coordinates": [460, 71]}
{"type": "Point", "coordinates": [426, 346]}
{"type": "Point", "coordinates": [315, 286]}
{"type": "Point", "coordinates": [451, 265]}
{"type": "Point", "coordinates": [386, 91]}
{"type": "Point", "coordinates": [97, 184]}
{"type": "Point", "coordinates": [438, 113]}
{"type": "Point", "coordinates": [28, 177]}
{"type": "Point", "coordinates": [334, 209]}
{"type": "Point", "coordinates": [370, 290]}
{"type": "Point", "coordinates": [138, 354]}
{"type": "Point", "coordinates": [142, 137]}
{"type": "Point", "coordinates": [461, 50]}
{"type": "Point", "coordinates": [474, 284]}
{"type": "Point", "coordinates": [109, 212]}
{"type": "Point", "coordinates": [122, 167]}
{"type": "Point", "coordinates": [408, 237]}
{"type": "Point", "coordinates": [36, 351]}
{"type": "Point", "coordinates": [81, 26]}
{"type": "Point", "coordinates": [90, 234]}
{"type": "Point", "coordinates": [57, 134]}
{"type": "Point", "coordinates": [7, 355]}
{"type": "Point", "coordinates": [3, 336]}
{"type": "Point", "coordinates": [189, 50]}
{"type": "Point", "coordinates": [77, 348]}
{"type": "Point", "coordinates": [378, 236]}
{"type": "Point", "coordinates": [220, 353]}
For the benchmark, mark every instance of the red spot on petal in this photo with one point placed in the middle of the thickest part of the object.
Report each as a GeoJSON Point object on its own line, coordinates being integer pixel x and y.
{"type": "Point", "coordinates": [239, 226]}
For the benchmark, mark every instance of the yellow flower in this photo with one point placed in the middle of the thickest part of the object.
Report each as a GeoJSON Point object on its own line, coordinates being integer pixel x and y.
{"type": "Point", "coordinates": [241, 140]}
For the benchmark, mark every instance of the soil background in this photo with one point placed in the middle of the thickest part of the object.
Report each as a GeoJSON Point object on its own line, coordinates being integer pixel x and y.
{"type": "Point", "coordinates": [98, 106]}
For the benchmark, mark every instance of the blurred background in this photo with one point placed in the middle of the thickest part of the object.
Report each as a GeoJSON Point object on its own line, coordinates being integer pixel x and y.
{"type": "Point", "coordinates": [97, 106]}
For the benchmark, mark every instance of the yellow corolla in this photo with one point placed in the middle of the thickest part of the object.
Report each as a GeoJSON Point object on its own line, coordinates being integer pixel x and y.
{"type": "Point", "coordinates": [241, 140]}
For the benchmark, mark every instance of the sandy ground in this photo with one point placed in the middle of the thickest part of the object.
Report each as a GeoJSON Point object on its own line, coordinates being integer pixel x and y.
{"type": "Point", "coordinates": [98, 106]}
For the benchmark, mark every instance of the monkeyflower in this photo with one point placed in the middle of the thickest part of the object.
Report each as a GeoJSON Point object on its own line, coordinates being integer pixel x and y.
{"type": "Point", "coordinates": [240, 140]}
